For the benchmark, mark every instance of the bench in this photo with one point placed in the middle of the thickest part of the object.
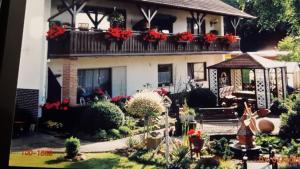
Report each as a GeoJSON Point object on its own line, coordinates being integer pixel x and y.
{"type": "Point", "coordinates": [218, 115]}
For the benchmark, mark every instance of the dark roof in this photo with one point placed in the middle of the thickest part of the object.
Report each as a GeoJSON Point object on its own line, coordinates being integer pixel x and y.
{"type": "Point", "coordinates": [209, 6]}
{"type": "Point", "coordinates": [248, 61]}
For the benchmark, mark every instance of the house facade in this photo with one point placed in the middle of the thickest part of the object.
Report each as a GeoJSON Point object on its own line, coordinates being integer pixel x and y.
{"type": "Point", "coordinates": [83, 60]}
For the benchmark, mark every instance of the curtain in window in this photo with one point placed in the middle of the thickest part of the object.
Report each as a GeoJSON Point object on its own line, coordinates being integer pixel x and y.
{"type": "Point", "coordinates": [90, 79]}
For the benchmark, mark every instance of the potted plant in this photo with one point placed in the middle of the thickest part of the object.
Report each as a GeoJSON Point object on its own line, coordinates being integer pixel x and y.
{"type": "Point", "coordinates": [209, 38]}
{"type": "Point", "coordinates": [116, 19]}
{"type": "Point", "coordinates": [195, 141]}
{"type": "Point", "coordinates": [118, 35]}
{"type": "Point", "coordinates": [183, 38]}
{"type": "Point", "coordinates": [227, 40]}
{"type": "Point", "coordinates": [153, 36]}
{"type": "Point", "coordinates": [55, 31]}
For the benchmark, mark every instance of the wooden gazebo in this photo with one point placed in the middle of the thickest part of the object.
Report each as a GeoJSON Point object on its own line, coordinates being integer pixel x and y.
{"type": "Point", "coordinates": [269, 78]}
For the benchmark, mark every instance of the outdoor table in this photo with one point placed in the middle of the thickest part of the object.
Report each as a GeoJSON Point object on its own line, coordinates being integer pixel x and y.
{"type": "Point", "coordinates": [245, 94]}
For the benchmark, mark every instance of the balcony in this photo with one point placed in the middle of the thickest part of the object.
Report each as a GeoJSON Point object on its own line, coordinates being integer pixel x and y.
{"type": "Point", "coordinates": [92, 43]}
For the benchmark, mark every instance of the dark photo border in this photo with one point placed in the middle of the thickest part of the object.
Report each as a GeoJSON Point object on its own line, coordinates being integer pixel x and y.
{"type": "Point", "coordinates": [12, 14]}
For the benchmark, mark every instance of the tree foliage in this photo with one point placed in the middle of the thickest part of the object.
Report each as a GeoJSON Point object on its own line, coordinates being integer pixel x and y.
{"type": "Point", "coordinates": [291, 44]}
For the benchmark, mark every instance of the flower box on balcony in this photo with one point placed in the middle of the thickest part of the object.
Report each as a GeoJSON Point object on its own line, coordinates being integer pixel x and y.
{"type": "Point", "coordinates": [117, 35]}
{"type": "Point", "coordinates": [153, 37]}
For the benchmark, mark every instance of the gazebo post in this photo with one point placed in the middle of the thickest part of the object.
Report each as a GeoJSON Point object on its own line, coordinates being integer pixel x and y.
{"type": "Point", "coordinates": [267, 87]}
{"type": "Point", "coordinates": [213, 83]}
{"type": "Point", "coordinates": [260, 87]}
{"type": "Point", "coordinates": [284, 80]}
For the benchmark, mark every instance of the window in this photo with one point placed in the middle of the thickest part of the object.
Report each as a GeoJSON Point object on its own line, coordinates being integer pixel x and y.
{"type": "Point", "coordinates": [90, 79]}
{"type": "Point", "coordinates": [197, 71]}
{"type": "Point", "coordinates": [165, 75]}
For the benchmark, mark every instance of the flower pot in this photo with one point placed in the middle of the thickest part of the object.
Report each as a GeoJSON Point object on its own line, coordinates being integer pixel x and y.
{"type": "Point", "coordinates": [266, 126]}
{"type": "Point", "coordinates": [120, 44]}
{"type": "Point", "coordinates": [181, 43]}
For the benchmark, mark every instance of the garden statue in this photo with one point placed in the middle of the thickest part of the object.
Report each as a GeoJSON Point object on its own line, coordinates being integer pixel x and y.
{"type": "Point", "coordinates": [247, 130]}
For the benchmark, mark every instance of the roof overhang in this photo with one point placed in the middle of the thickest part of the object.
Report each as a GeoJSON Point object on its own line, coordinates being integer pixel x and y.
{"type": "Point", "coordinates": [206, 6]}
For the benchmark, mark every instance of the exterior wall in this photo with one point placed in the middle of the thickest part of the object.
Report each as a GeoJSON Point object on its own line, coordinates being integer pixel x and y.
{"type": "Point", "coordinates": [141, 69]}
{"type": "Point", "coordinates": [134, 15]}
{"type": "Point", "coordinates": [32, 69]}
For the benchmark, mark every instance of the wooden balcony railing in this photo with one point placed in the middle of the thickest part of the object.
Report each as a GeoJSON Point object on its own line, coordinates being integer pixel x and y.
{"type": "Point", "coordinates": [92, 43]}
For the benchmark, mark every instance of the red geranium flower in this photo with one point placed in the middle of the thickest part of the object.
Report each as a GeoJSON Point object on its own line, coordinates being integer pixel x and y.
{"type": "Point", "coordinates": [210, 37]}
{"type": "Point", "coordinates": [153, 35]}
{"type": "Point", "coordinates": [99, 91]}
{"type": "Point", "coordinates": [185, 36]}
{"type": "Point", "coordinates": [191, 132]}
{"type": "Point", "coordinates": [162, 91]}
{"type": "Point", "coordinates": [118, 33]}
{"type": "Point", "coordinates": [229, 38]}
{"type": "Point", "coordinates": [55, 31]}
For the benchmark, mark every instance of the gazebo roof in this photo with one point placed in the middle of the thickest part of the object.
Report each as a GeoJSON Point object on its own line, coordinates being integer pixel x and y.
{"type": "Point", "coordinates": [248, 61]}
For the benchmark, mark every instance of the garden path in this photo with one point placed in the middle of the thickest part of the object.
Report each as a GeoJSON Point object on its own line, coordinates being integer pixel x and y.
{"type": "Point", "coordinates": [41, 141]}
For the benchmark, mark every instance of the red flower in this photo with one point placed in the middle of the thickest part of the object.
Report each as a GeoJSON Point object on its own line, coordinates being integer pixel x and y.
{"type": "Point", "coordinates": [194, 133]}
{"type": "Point", "coordinates": [185, 36]}
{"type": "Point", "coordinates": [210, 37]}
{"type": "Point", "coordinates": [191, 132]}
{"type": "Point", "coordinates": [118, 98]}
{"type": "Point", "coordinates": [66, 101]}
{"type": "Point", "coordinates": [99, 91]}
{"type": "Point", "coordinates": [65, 108]}
{"type": "Point", "coordinates": [153, 35]}
{"type": "Point", "coordinates": [118, 33]}
{"type": "Point", "coordinates": [229, 38]}
{"type": "Point", "coordinates": [162, 91]}
{"type": "Point", "coordinates": [55, 31]}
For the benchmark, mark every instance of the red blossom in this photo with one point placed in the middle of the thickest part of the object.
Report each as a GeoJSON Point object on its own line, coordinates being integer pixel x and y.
{"type": "Point", "coordinates": [66, 101]}
{"type": "Point", "coordinates": [118, 98]}
{"type": "Point", "coordinates": [229, 38]}
{"type": "Point", "coordinates": [185, 36]}
{"type": "Point", "coordinates": [153, 35]}
{"type": "Point", "coordinates": [210, 37]}
{"type": "Point", "coordinates": [191, 132]}
{"type": "Point", "coordinates": [118, 33]}
{"type": "Point", "coordinates": [162, 91]}
{"type": "Point", "coordinates": [55, 31]}
{"type": "Point", "coordinates": [99, 91]}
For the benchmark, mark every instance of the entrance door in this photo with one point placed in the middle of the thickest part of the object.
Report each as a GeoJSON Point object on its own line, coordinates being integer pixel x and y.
{"type": "Point", "coordinates": [119, 81]}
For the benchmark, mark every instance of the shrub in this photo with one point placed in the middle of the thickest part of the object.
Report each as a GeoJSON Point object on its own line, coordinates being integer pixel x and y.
{"type": "Point", "coordinates": [101, 134]}
{"type": "Point", "coordinates": [72, 147]}
{"type": "Point", "coordinates": [147, 157]}
{"type": "Point", "coordinates": [278, 107]}
{"type": "Point", "coordinates": [114, 134]}
{"type": "Point", "coordinates": [145, 104]}
{"type": "Point", "coordinates": [180, 159]}
{"type": "Point", "coordinates": [292, 149]}
{"type": "Point", "coordinates": [264, 141]}
{"type": "Point", "coordinates": [124, 130]}
{"type": "Point", "coordinates": [120, 101]}
{"type": "Point", "coordinates": [204, 163]}
{"type": "Point", "coordinates": [106, 115]}
{"type": "Point", "coordinates": [201, 97]}
{"type": "Point", "coordinates": [221, 148]}
{"type": "Point", "coordinates": [290, 127]}
{"type": "Point", "coordinates": [132, 143]}
{"type": "Point", "coordinates": [130, 122]}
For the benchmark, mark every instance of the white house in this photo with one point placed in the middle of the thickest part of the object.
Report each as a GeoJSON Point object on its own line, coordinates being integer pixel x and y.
{"type": "Point", "coordinates": [82, 58]}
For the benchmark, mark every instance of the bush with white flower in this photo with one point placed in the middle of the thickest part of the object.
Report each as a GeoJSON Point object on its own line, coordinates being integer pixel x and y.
{"type": "Point", "coordinates": [145, 104]}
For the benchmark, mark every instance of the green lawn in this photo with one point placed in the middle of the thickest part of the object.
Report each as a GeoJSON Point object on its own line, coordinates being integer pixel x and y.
{"type": "Point", "coordinates": [94, 160]}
